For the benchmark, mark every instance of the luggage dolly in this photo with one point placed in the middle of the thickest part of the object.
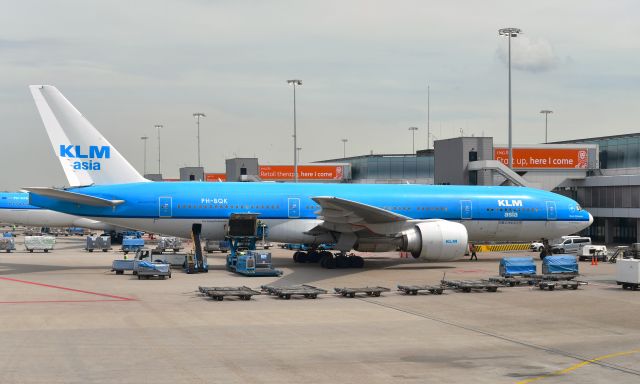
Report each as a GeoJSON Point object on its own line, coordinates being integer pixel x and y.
{"type": "Point", "coordinates": [219, 293]}
{"type": "Point", "coordinates": [469, 285]}
{"type": "Point", "coordinates": [414, 289]}
{"type": "Point", "coordinates": [513, 281]}
{"type": "Point", "coordinates": [370, 291]}
{"type": "Point", "coordinates": [285, 292]}
{"type": "Point", "coordinates": [566, 284]}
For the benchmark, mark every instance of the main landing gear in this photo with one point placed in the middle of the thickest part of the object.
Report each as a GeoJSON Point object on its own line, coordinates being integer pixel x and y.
{"type": "Point", "coordinates": [328, 260]}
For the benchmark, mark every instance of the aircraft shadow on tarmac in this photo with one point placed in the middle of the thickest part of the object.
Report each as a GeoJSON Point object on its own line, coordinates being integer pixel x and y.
{"type": "Point", "coordinates": [17, 269]}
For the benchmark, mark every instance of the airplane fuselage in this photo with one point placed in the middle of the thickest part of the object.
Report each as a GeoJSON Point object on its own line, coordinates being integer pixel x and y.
{"type": "Point", "coordinates": [488, 213]}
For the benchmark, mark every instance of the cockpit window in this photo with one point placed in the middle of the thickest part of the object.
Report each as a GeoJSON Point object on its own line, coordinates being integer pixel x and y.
{"type": "Point", "coordinates": [578, 207]}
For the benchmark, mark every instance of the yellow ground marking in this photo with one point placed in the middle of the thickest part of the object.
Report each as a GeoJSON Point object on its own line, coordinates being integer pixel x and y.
{"type": "Point", "coordinates": [579, 365]}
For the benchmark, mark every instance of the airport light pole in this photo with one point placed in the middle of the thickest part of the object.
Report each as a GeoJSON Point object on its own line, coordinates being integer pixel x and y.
{"type": "Point", "coordinates": [198, 115]}
{"type": "Point", "coordinates": [510, 32]}
{"type": "Point", "coordinates": [144, 162]}
{"type": "Point", "coordinates": [546, 123]}
{"type": "Point", "coordinates": [344, 148]}
{"type": "Point", "coordinates": [158, 126]}
{"type": "Point", "coordinates": [295, 82]}
{"type": "Point", "coordinates": [413, 140]}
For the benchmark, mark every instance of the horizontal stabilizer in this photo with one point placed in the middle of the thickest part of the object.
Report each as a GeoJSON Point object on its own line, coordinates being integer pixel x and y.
{"type": "Point", "coordinates": [74, 197]}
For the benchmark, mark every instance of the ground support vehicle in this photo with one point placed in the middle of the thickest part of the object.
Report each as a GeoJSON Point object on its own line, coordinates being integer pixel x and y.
{"type": "Point", "coordinates": [414, 289]}
{"type": "Point", "coordinates": [101, 243]}
{"type": "Point", "coordinates": [219, 293]}
{"type": "Point", "coordinates": [628, 273]}
{"type": "Point", "coordinates": [39, 243]}
{"type": "Point", "coordinates": [470, 285]}
{"type": "Point", "coordinates": [168, 243]}
{"type": "Point", "coordinates": [217, 245]}
{"type": "Point", "coordinates": [147, 270]}
{"type": "Point", "coordinates": [588, 252]}
{"type": "Point", "coordinates": [7, 244]}
{"type": "Point", "coordinates": [369, 291]}
{"type": "Point", "coordinates": [286, 292]}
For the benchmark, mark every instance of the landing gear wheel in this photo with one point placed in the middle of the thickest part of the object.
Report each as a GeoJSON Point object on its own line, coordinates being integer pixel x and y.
{"type": "Point", "coordinates": [356, 262]}
{"type": "Point", "coordinates": [313, 256]}
{"type": "Point", "coordinates": [342, 262]}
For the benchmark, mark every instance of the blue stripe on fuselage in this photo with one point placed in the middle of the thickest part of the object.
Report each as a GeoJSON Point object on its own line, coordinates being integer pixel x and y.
{"type": "Point", "coordinates": [202, 200]}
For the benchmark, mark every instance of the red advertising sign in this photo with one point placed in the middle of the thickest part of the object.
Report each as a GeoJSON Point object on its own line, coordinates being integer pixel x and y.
{"type": "Point", "coordinates": [215, 177]}
{"type": "Point", "coordinates": [305, 172]}
{"type": "Point", "coordinates": [544, 158]}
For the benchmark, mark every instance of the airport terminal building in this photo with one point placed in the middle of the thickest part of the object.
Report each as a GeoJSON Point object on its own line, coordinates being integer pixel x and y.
{"type": "Point", "coordinates": [600, 173]}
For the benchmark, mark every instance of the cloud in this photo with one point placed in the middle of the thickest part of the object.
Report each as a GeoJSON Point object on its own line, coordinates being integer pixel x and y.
{"type": "Point", "coordinates": [531, 55]}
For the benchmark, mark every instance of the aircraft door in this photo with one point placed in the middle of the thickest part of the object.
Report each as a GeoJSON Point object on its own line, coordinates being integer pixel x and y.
{"type": "Point", "coordinates": [465, 209]}
{"type": "Point", "coordinates": [164, 207]}
{"type": "Point", "coordinates": [294, 207]}
{"type": "Point", "coordinates": [552, 214]}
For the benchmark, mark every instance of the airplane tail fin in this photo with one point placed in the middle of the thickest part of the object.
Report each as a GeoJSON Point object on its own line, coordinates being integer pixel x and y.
{"type": "Point", "coordinates": [85, 155]}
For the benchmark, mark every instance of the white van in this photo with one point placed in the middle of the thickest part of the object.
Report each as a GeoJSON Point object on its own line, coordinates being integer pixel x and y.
{"type": "Point", "coordinates": [570, 245]}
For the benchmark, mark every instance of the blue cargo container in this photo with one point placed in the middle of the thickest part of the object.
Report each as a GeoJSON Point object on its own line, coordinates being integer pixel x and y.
{"type": "Point", "coordinates": [517, 266]}
{"type": "Point", "coordinates": [559, 264]}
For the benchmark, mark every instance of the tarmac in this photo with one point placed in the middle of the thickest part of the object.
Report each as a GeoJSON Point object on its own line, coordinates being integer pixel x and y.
{"type": "Point", "coordinates": [66, 318]}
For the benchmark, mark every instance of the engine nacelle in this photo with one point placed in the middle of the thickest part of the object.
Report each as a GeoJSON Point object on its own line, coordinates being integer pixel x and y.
{"type": "Point", "coordinates": [437, 240]}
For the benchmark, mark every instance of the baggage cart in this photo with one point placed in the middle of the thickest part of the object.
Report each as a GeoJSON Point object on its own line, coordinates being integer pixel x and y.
{"type": "Point", "coordinates": [517, 266]}
{"type": "Point", "coordinates": [132, 244]}
{"type": "Point", "coordinates": [369, 291]}
{"type": "Point", "coordinates": [168, 243]}
{"type": "Point", "coordinates": [471, 285]}
{"type": "Point", "coordinates": [219, 293]}
{"type": "Point", "coordinates": [7, 244]}
{"type": "Point", "coordinates": [415, 289]}
{"type": "Point", "coordinates": [286, 292]}
{"type": "Point", "coordinates": [147, 270]}
{"type": "Point", "coordinates": [101, 243]}
{"type": "Point", "coordinates": [216, 245]}
{"type": "Point", "coordinates": [39, 243]}
{"type": "Point", "coordinates": [553, 284]}
{"type": "Point", "coordinates": [559, 265]}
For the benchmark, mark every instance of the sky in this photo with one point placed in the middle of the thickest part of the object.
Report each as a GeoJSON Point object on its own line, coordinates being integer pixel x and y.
{"type": "Point", "coordinates": [365, 68]}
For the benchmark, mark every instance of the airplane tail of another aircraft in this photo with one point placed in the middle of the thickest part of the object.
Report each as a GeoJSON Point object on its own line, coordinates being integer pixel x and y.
{"type": "Point", "coordinates": [85, 155]}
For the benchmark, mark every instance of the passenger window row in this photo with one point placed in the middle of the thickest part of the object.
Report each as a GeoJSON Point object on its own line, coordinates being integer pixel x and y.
{"type": "Point", "coordinates": [204, 206]}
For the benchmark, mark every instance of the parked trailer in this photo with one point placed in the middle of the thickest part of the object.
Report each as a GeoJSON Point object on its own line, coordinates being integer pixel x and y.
{"type": "Point", "coordinates": [369, 291]}
{"type": "Point", "coordinates": [39, 243]}
{"type": "Point", "coordinates": [219, 293]}
{"type": "Point", "coordinates": [132, 244]}
{"type": "Point", "coordinates": [470, 285]}
{"type": "Point", "coordinates": [102, 243]}
{"type": "Point", "coordinates": [551, 285]}
{"type": "Point", "coordinates": [415, 289]}
{"type": "Point", "coordinates": [286, 292]}
{"type": "Point", "coordinates": [7, 244]}
{"type": "Point", "coordinates": [168, 243]}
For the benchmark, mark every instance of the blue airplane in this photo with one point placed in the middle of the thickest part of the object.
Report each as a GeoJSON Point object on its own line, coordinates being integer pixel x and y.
{"type": "Point", "coordinates": [432, 222]}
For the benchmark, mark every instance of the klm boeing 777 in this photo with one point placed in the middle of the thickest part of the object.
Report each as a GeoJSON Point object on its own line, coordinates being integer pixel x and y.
{"type": "Point", "coordinates": [433, 223]}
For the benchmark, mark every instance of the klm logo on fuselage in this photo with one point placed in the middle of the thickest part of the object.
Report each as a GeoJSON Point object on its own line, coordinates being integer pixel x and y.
{"type": "Point", "coordinates": [509, 203]}
{"type": "Point", "coordinates": [87, 159]}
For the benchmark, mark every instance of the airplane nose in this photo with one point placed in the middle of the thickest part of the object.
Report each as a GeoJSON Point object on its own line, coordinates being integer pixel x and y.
{"type": "Point", "coordinates": [590, 219]}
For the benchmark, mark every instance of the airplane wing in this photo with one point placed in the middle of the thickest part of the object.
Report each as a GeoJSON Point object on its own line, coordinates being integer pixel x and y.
{"type": "Point", "coordinates": [74, 197]}
{"type": "Point", "coordinates": [349, 216]}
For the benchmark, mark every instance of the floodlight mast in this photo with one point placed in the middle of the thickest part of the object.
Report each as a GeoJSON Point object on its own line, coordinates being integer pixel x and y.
{"type": "Point", "coordinates": [509, 33]}
{"type": "Point", "coordinates": [295, 82]}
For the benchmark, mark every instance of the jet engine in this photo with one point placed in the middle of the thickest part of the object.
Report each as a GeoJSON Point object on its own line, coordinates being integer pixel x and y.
{"type": "Point", "coordinates": [437, 240]}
